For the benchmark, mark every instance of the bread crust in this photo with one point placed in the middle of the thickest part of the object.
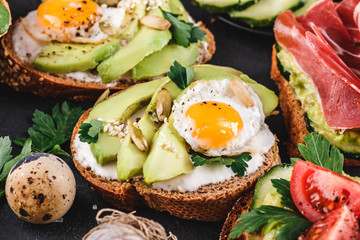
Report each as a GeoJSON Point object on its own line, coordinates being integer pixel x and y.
{"type": "Point", "coordinates": [241, 206]}
{"type": "Point", "coordinates": [294, 115]}
{"type": "Point", "coordinates": [25, 78]}
{"type": "Point", "coordinates": [210, 203]}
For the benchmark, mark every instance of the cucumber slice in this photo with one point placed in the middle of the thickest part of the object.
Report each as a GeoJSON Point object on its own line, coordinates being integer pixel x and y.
{"type": "Point", "coordinates": [223, 6]}
{"type": "Point", "coordinates": [303, 9]}
{"type": "Point", "coordinates": [264, 12]}
{"type": "Point", "coordinates": [264, 185]}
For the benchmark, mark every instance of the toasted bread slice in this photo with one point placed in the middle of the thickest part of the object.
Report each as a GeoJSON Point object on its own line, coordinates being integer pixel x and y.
{"type": "Point", "coordinates": [241, 206]}
{"type": "Point", "coordinates": [211, 202]}
{"type": "Point", "coordinates": [25, 78]}
{"type": "Point", "coordinates": [294, 115]}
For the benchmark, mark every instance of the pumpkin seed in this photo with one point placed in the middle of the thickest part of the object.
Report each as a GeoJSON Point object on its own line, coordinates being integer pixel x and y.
{"type": "Point", "coordinates": [155, 22]}
{"type": "Point", "coordinates": [163, 104]}
{"type": "Point", "coordinates": [137, 136]}
{"type": "Point", "coordinates": [242, 93]}
{"type": "Point", "coordinates": [103, 96]}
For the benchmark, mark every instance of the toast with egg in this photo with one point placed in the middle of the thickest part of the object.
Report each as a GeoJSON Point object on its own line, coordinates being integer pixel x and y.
{"type": "Point", "coordinates": [169, 179]}
{"type": "Point", "coordinates": [294, 115]}
{"type": "Point", "coordinates": [211, 202]}
{"type": "Point", "coordinates": [24, 77]}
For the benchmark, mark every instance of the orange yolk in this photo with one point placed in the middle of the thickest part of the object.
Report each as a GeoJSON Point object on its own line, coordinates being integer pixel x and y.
{"type": "Point", "coordinates": [58, 14]}
{"type": "Point", "coordinates": [215, 123]}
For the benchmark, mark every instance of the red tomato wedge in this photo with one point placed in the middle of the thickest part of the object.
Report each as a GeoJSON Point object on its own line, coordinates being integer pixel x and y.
{"type": "Point", "coordinates": [339, 224]}
{"type": "Point", "coordinates": [317, 191]}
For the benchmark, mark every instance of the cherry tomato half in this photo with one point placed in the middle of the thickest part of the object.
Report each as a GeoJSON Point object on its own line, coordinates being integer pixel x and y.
{"type": "Point", "coordinates": [317, 191]}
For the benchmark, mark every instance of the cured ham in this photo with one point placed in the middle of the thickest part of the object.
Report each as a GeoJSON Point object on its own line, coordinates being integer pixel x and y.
{"type": "Point", "coordinates": [346, 11]}
{"type": "Point", "coordinates": [324, 16]}
{"type": "Point", "coordinates": [340, 102]}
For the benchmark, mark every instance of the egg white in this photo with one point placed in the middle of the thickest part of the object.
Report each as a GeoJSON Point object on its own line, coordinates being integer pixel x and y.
{"type": "Point", "coordinates": [76, 34]}
{"type": "Point", "coordinates": [254, 129]}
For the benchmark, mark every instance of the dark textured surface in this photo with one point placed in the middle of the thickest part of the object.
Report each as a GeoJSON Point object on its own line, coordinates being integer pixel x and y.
{"type": "Point", "coordinates": [236, 48]}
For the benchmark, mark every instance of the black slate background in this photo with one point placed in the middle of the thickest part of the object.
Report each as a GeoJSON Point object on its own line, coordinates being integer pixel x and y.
{"type": "Point", "coordinates": [248, 52]}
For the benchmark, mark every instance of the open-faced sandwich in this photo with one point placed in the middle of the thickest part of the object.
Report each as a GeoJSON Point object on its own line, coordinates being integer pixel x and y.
{"type": "Point", "coordinates": [312, 199]}
{"type": "Point", "coordinates": [255, 13]}
{"type": "Point", "coordinates": [5, 17]}
{"type": "Point", "coordinates": [189, 146]}
{"type": "Point", "coordinates": [316, 64]}
{"type": "Point", "coordinates": [77, 49]}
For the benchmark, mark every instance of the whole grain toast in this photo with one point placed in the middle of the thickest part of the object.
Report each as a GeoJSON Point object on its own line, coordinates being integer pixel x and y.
{"type": "Point", "coordinates": [241, 206]}
{"type": "Point", "coordinates": [294, 115]}
{"type": "Point", "coordinates": [25, 78]}
{"type": "Point", "coordinates": [211, 202]}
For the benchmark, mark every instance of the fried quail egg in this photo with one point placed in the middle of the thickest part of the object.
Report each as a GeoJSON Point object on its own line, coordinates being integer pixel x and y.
{"type": "Point", "coordinates": [40, 188]}
{"type": "Point", "coordinates": [215, 122]}
{"type": "Point", "coordinates": [68, 21]}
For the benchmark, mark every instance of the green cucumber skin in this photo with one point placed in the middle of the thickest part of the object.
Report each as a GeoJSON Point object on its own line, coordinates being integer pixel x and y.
{"type": "Point", "coordinates": [235, 7]}
{"type": "Point", "coordinates": [264, 22]}
{"type": "Point", "coordinates": [285, 74]}
{"type": "Point", "coordinates": [273, 173]}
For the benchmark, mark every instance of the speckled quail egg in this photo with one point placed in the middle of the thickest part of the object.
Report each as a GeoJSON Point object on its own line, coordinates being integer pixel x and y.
{"type": "Point", "coordinates": [40, 188]}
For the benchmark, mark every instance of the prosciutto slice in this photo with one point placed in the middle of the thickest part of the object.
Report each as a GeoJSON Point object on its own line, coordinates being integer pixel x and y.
{"type": "Point", "coordinates": [345, 9]}
{"type": "Point", "coordinates": [324, 16]}
{"type": "Point", "coordinates": [340, 102]}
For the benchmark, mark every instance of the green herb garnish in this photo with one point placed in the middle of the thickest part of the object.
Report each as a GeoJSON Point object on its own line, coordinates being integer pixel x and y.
{"type": "Point", "coordinates": [292, 224]}
{"type": "Point", "coordinates": [316, 150]}
{"type": "Point", "coordinates": [8, 161]}
{"type": "Point", "coordinates": [237, 164]}
{"type": "Point", "coordinates": [4, 18]}
{"type": "Point", "coordinates": [89, 132]}
{"type": "Point", "coordinates": [184, 33]}
{"type": "Point", "coordinates": [181, 76]}
{"type": "Point", "coordinates": [50, 131]}
{"type": "Point", "coordinates": [283, 188]}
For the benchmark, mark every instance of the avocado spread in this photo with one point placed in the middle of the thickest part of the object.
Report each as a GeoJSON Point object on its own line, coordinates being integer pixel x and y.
{"type": "Point", "coordinates": [305, 92]}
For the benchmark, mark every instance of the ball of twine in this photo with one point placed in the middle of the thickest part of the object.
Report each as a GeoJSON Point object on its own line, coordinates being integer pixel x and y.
{"type": "Point", "coordinates": [126, 226]}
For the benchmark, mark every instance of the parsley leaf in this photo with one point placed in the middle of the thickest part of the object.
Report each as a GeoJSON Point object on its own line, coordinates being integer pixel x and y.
{"type": "Point", "coordinates": [89, 132]}
{"type": "Point", "coordinates": [237, 164]}
{"type": "Point", "coordinates": [50, 131]}
{"type": "Point", "coordinates": [317, 150]}
{"type": "Point", "coordinates": [5, 150]}
{"type": "Point", "coordinates": [201, 160]}
{"type": "Point", "coordinates": [184, 33]}
{"type": "Point", "coordinates": [180, 75]}
{"type": "Point", "coordinates": [264, 214]}
{"type": "Point", "coordinates": [26, 150]}
{"type": "Point", "coordinates": [283, 188]}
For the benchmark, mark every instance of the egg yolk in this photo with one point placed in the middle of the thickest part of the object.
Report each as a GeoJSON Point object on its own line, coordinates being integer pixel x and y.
{"type": "Point", "coordinates": [215, 123]}
{"type": "Point", "coordinates": [58, 14]}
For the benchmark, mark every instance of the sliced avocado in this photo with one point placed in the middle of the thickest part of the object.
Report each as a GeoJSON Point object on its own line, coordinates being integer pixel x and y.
{"type": "Point", "coordinates": [130, 23]}
{"type": "Point", "coordinates": [145, 42]}
{"type": "Point", "coordinates": [168, 156]}
{"type": "Point", "coordinates": [208, 72]}
{"type": "Point", "coordinates": [147, 124]}
{"type": "Point", "coordinates": [129, 159]}
{"type": "Point", "coordinates": [106, 148]}
{"type": "Point", "coordinates": [176, 7]}
{"type": "Point", "coordinates": [68, 57]}
{"type": "Point", "coordinates": [160, 62]}
{"type": "Point", "coordinates": [125, 103]}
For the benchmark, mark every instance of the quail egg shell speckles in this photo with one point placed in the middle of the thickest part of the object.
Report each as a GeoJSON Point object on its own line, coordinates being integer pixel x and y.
{"type": "Point", "coordinates": [213, 121]}
{"type": "Point", "coordinates": [40, 188]}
